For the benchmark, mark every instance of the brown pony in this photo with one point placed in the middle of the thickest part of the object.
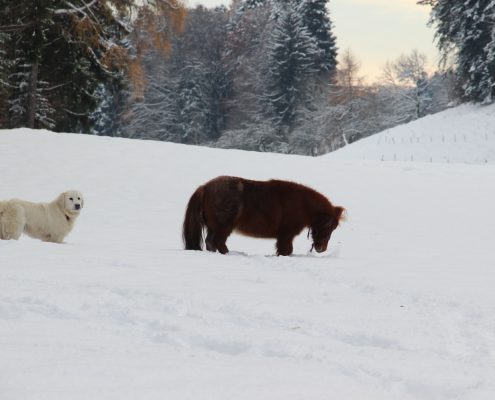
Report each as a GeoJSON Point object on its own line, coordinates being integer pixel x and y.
{"type": "Point", "coordinates": [269, 209]}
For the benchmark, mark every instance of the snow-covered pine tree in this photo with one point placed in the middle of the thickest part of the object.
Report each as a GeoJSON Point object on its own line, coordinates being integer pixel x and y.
{"type": "Point", "coordinates": [199, 55]}
{"type": "Point", "coordinates": [183, 99]}
{"type": "Point", "coordinates": [53, 61]}
{"type": "Point", "coordinates": [106, 118]}
{"type": "Point", "coordinates": [5, 65]}
{"type": "Point", "coordinates": [194, 115]}
{"type": "Point", "coordinates": [317, 21]}
{"type": "Point", "coordinates": [4, 59]}
{"type": "Point", "coordinates": [475, 66]}
{"type": "Point", "coordinates": [291, 62]}
{"type": "Point", "coordinates": [442, 86]}
{"type": "Point", "coordinates": [466, 28]}
{"type": "Point", "coordinates": [64, 50]}
{"type": "Point", "coordinates": [27, 103]}
{"type": "Point", "coordinates": [250, 4]}
{"type": "Point", "coordinates": [480, 85]}
{"type": "Point", "coordinates": [244, 56]}
{"type": "Point", "coordinates": [155, 116]}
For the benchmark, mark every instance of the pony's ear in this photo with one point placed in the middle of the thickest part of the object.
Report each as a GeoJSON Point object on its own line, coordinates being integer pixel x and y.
{"type": "Point", "coordinates": [340, 213]}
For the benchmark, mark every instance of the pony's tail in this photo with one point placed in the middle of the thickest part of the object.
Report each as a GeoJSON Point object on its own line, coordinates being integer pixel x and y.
{"type": "Point", "coordinates": [192, 229]}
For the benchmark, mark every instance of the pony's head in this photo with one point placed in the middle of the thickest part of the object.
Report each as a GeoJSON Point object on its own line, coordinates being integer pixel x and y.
{"type": "Point", "coordinates": [323, 227]}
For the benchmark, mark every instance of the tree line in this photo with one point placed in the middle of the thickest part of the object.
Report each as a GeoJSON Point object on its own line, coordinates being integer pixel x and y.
{"type": "Point", "coordinates": [262, 75]}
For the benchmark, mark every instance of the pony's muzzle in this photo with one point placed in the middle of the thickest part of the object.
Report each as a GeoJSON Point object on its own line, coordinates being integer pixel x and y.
{"type": "Point", "coordinates": [320, 248]}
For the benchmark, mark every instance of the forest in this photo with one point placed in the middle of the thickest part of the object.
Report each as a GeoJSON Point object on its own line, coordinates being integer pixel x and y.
{"type": "Point", "coordinates": [262, 75]}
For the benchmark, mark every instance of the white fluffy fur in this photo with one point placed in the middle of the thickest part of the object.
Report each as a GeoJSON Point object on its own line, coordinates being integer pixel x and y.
{"type": "Point", "coordinates": [50, 222]}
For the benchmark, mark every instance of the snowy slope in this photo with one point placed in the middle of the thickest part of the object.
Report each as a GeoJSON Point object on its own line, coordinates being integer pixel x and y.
{"type": "Point", "coordinates": [465, 134]}
{"type": "Point", "coordinates": [402, 305]}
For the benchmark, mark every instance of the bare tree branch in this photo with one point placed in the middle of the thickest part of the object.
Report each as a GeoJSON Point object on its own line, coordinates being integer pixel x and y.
{"type": "Point", "coordinates": [73, 9]}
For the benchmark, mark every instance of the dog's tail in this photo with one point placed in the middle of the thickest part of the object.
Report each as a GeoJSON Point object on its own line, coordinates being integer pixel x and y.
{"type": "Point", "coordinates": [192, 229]}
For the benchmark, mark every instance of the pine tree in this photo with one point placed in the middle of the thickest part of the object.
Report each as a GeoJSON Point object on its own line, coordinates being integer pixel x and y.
{"type": "Point", "coordinates": [193, 93]}
{"type": "Point", "coordinates": [291, 62]}
{"type": "Point", "coordinates": [5, 66]}
{"type": "Point", "coordinates": [198, 55]}
{"type": "Point", "coordinates": [466, 28]}
{"type": "Point", "coordinates": [316, 19]}
{"type": "Point", "coordinates": [250, 4]}
{"type": "Point", "coordinates": [65, 50]}
{"type": "Point", "coordinates": [155, 114]}
{"type": "Point", "coordinates": [244, 58]}
{"type": "Point", "coordinates": [105, 119]}
{"type": "Point", "coordinates": [474, 64]}
{"type": "Point", "coordinates": [183, 101]}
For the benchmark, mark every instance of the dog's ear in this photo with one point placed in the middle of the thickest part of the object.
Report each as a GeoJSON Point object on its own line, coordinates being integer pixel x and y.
{"type": "Point", "coordinates": [61, 200]}
{"type": "Point", "coordinates": [82, 200]}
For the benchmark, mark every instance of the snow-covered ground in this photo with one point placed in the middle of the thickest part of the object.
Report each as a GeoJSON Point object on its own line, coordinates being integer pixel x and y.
{"type": "Point", "coordinates": [465, 134]}
{"type": "Point", "coordinates": [402, 306]}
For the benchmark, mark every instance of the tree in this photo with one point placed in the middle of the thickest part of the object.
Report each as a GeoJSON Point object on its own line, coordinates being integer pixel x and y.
{"type": "Point", "coordinates": [184, 98]}
{"type": "Point", "coordinates": [248, 31]}
{"type": "Point", "coordinates": [408, 79]}
{"type": "Point", "coordinates": [443, 90]}
{"type": "Point", "coordinates": [5, 87]}
{"type": "Point", "coordinates": [155, 114]}
{"type": "Point", "coordinates": [291, 58]}
{"type": "Point", "coordinates": [466, 29]}
{"type": "Point", "coordinates": [347, 79]}
{"type": "Point", "coordinates": [199, 62]}
{"type": "Point", "coordinates": [111, 100]}
{"type": "Point", "coordinates": [62, 51]}
{"type": "Point", "coordinates": [194, 111]}
{"type": "Point", "coordinates": [315, 18]}
{"type": "Point", "coordinates": [348, 98]}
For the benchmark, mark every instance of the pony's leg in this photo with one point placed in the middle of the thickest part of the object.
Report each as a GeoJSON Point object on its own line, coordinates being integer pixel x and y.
{"type": "Point", "coordinates": [226, 220]}
{"type": "Point", "coordinates": [284, 245]}
{"type": "Point", "coordinates": [221, 238]}
{"type": "Point", "coordinates": [210, 241]}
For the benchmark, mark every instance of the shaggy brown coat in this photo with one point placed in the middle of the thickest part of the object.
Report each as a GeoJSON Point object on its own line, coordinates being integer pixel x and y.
{"type": "Point", "coordinates": [264, 209]}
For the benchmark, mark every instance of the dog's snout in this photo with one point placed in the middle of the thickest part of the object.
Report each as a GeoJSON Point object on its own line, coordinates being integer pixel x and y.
{"type": "Point", "coordinates": [77, 206]}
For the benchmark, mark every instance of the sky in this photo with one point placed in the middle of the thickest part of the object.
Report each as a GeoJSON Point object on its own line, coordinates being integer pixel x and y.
{"type": "Point", "coordinates": [376, 31]}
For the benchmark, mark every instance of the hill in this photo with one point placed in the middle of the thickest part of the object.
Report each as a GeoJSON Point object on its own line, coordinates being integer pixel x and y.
{"type": "Point", "coordinates": [464, 134]}
{"type": "Point", "coordinates": [401, 306]}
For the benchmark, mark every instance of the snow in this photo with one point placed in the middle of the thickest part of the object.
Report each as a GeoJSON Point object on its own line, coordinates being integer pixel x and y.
{"type": "Point", "coordinates": [402, 305]}
{"type": "Point", "coordinates": [464, 134]}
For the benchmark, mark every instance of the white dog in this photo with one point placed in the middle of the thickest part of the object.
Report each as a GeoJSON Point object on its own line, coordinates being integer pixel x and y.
{"type": "Point", "coordinates": [50, 222]}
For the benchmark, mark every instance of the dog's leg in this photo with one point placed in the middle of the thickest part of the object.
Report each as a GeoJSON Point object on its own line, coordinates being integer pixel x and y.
{"type": "Point", "coordinates": [12, 221]}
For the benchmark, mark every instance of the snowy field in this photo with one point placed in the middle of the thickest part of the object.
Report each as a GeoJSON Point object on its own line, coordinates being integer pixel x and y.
{"type": "Point", "coordinates": [402, 306]}
{"type": "Point", "coordinates": [465, 134]}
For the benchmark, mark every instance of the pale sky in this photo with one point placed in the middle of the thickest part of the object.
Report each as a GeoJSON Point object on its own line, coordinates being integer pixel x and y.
{"type": "Point", "coordinates": [375, 30]}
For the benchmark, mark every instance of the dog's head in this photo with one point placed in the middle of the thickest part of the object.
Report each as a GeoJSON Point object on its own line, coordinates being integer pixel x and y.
{"type": "Point", "coordinates": [71, 201]}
